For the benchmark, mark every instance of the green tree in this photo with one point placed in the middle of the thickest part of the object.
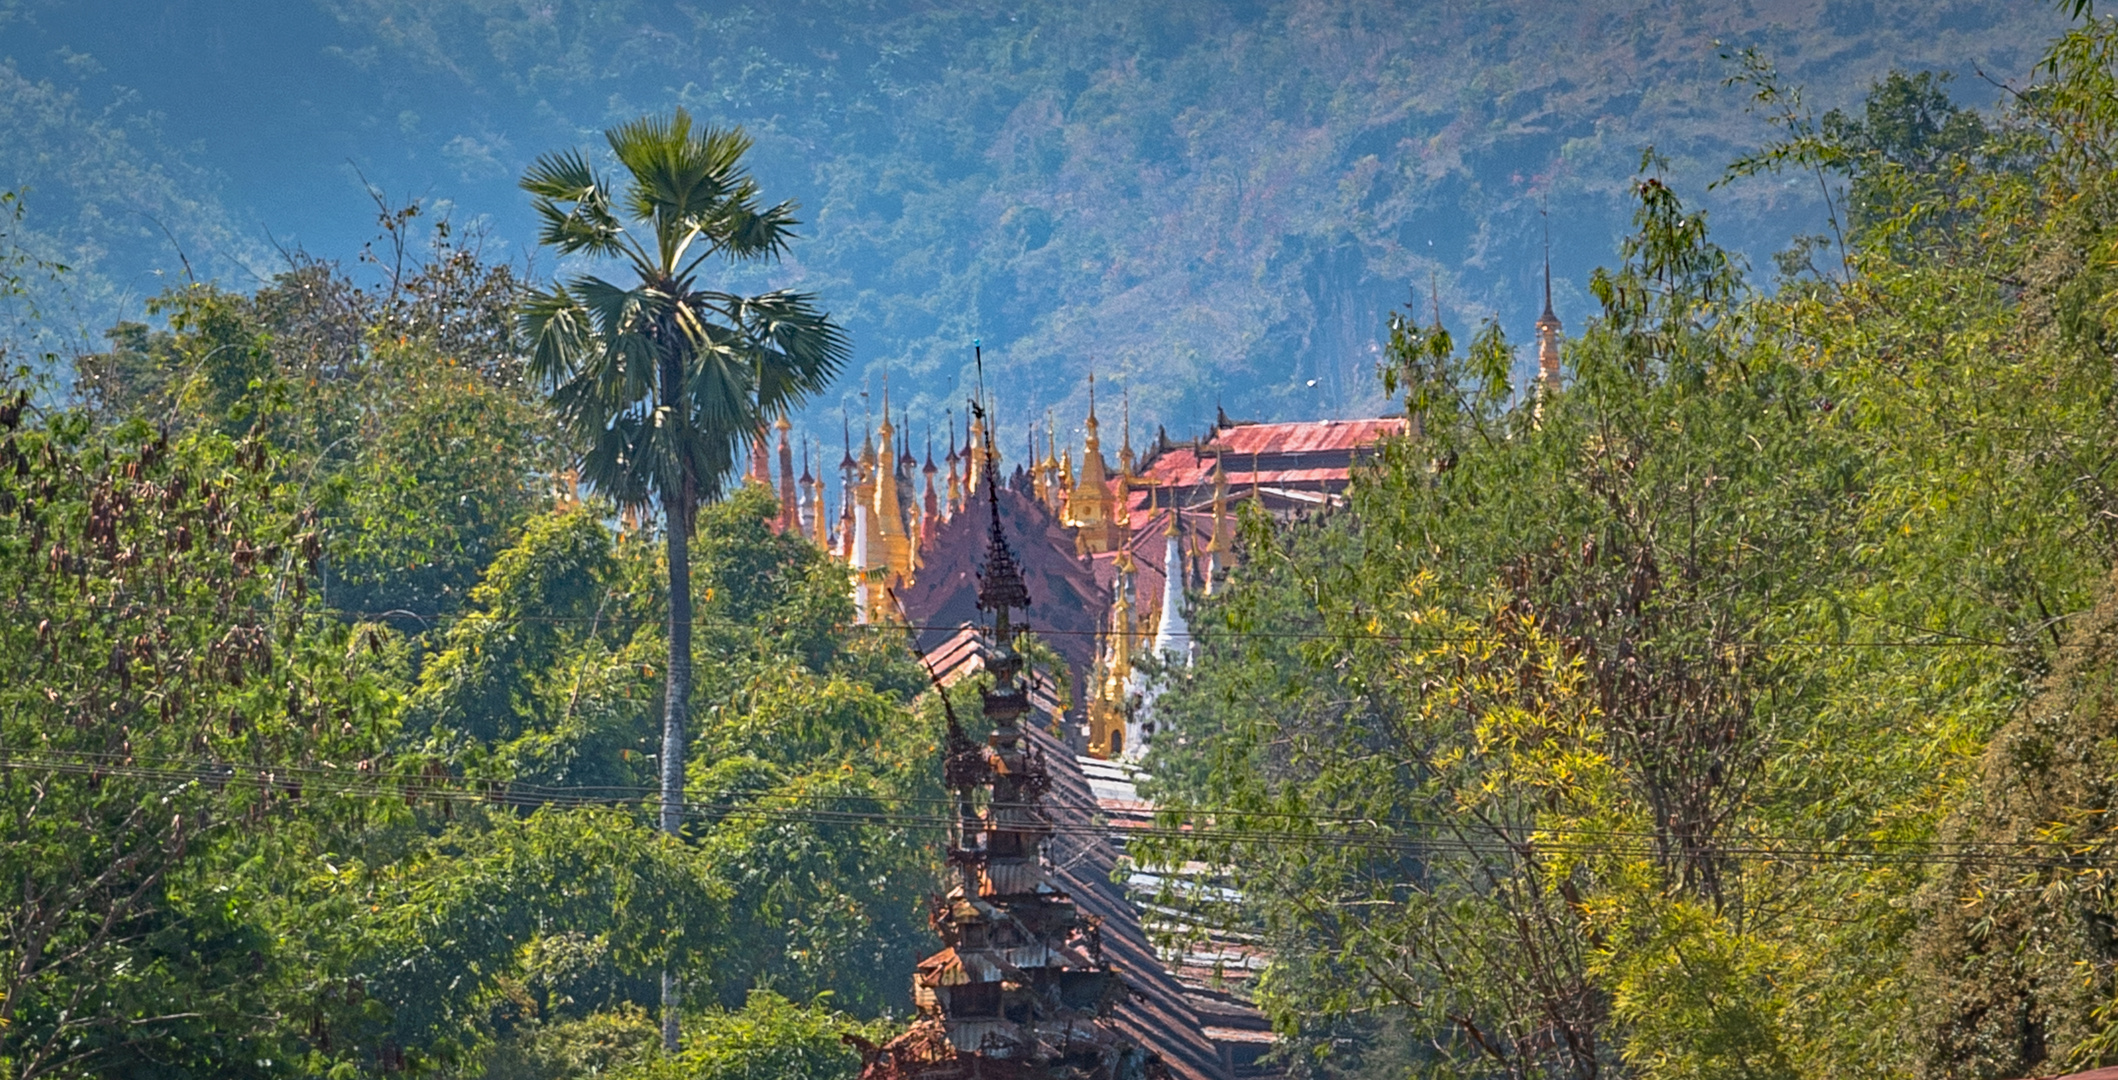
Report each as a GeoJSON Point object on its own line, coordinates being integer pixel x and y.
{"type": "Point", "coordinates": [2017, 960]}
{"type": "Point", "coordinates": [546, 686]}
{"type": "Point", "coordinates": [535, 684]}
{"type": "Point", "coordinates": [767, 1038]}
{"type": "Point", "coordinates": [401, 407]}
{"type": "Point", "coordinates": [798, 711]}
{"type": "Point", "coordinates": [661, 381]}
{"type": "Point", "coordinates": [170, 720]}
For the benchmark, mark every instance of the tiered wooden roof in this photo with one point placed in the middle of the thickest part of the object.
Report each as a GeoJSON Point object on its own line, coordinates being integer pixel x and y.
{"type": "Point", "coordinates": [1160, 1016]}
{"type": "Point", "coordinates": [1193, 991]}
{"type": "Point", "coordinates": [1070, 601]}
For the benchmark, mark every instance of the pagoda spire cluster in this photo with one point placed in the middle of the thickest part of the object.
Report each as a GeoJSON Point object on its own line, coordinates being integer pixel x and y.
{"type": "Point", "coordinates": [1143, 534]}
{"type": "Point", "coordinates": [890, 503]}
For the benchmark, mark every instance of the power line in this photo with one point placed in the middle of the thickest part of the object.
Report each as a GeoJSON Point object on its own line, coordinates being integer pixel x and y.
{"type": "Point", "coordinates": [216, 770]}
{"type": "Point", "coordinates": [1940, 640]}
{"type": "Point", "coordinates": [1511, 841]}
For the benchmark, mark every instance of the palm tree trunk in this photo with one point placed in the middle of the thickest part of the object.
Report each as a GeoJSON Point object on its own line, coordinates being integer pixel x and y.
{"type": "Point", "coordinates": [676, 703]}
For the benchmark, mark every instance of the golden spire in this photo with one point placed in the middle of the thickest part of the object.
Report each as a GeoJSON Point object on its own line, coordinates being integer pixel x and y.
{"type": "Point", "coordinates": [955, 488]}
{"type": "Point", "coordinates": [888, 507]}
{"type": "Point", "coordinates": [813, 490]}
{"type": "Point", "coordinates": [1222, 540]}
{"type": "Point", "coordinates": [1121, 628]}
{"type": "Point", "coordinates": [930, 516]}
{"type": "Point", "coordinates": [790, 513]}
{"type": "Point", "coordinates": [1089, 507]}
{"type": "Point", "coordinates": [975, 450]}
{"type": "Point", "coordinates": [1091, 425]}
{"type": "Point", "coordinates": [1053, 492]}
{"type": "Point", "coordinates": [1107, 710]}
{"type": "Point", "coordinates": [823, 521]}
{"type": "Point", "coordinates": [1220, 496]}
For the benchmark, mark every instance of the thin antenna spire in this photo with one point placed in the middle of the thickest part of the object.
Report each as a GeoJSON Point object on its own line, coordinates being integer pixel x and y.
{"type": "Point", "coordinates": [1125, 444]}
{"type": "Point", "coordinates": [978, 358]}
{"type": "Point", "coordinates": [1000, 585]}
{"type": "Point", "coordinates": [1545, 212]}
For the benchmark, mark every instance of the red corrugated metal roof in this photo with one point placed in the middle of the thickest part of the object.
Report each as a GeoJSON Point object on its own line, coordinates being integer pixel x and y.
{"type": "Point", "coordinates": [1179, 466]}
{"type": "Point", "coordinates": [1307, 436]}
{"type": "Point", "coordinates": [1189, 466]}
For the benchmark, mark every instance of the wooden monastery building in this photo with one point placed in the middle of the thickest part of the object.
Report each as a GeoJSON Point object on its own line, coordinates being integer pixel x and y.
{"type": "Point", "coordinates": [1115, 550]}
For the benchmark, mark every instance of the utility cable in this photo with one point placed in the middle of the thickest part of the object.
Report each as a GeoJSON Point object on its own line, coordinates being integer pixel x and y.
{"type": "Point", "coordinates": [1207, 632]}
{"type": "Point", "coordinates": [1514, 841]}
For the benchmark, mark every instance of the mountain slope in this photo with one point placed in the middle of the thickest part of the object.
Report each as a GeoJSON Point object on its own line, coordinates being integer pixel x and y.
{"type": "Point", "coordinates": [1203, 203]}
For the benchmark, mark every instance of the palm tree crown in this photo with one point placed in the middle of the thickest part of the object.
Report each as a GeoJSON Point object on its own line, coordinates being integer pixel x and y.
{"type": "Point", "coordinates": [660, 379]}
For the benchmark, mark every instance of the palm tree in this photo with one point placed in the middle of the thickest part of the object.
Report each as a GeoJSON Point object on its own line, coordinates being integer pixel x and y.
{"type": "Point", "coordinates": [660, 379]}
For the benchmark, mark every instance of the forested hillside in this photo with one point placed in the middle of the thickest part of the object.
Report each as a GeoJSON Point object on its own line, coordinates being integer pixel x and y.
{"type": "Point", "coordinates": [1202, 202]}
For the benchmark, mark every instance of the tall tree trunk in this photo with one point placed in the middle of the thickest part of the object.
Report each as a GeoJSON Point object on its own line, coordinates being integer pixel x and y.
{"type": "Point", "coordinates": [676, 703]}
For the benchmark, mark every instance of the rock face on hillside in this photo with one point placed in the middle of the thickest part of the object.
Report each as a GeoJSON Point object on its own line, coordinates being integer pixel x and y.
{"type": "Point", "coordinates": [2018, 955]}
{"type": "Point", "coordinates": [944, 596]}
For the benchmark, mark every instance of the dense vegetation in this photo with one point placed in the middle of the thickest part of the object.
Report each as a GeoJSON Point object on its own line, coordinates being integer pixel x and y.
{"type": "Point", "coordinates": [332, 723]}
{"type": "Point", "coordinates": [1743, 707]}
